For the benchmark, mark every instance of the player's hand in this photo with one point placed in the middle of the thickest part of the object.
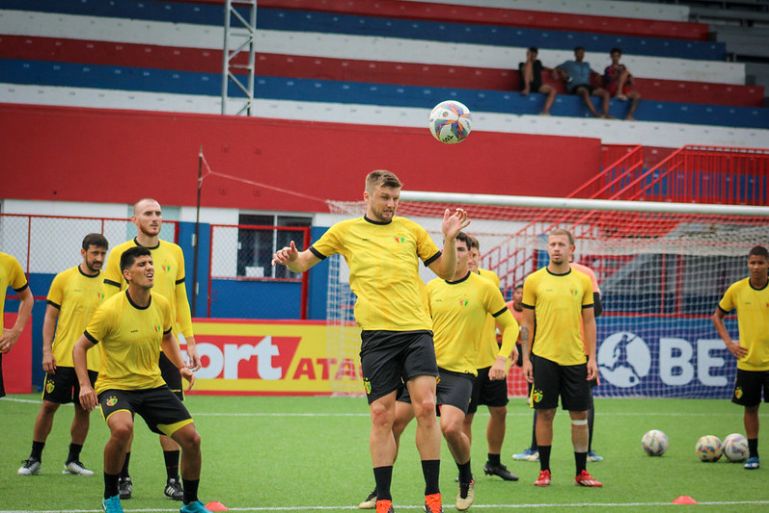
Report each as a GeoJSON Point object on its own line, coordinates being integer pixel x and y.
{"type": "Point", "coordinates": [514, 354]}
{"type": "Point", "coordinates": [8, 339]}
{"type": "Point", "coordinates": [497, 371]}
{"type": "Point", "coordinates": [592, 369]}
{"type": "Point", "coordinates": [192, 352]}
{"type": "Point", "coordinates": [737, 350]}
{"type": "Point", "coordinates": [49, 362]}
{"type": "Point", "coordinates": [189, 376]}
{"type": "Point", "coordinates": [88, 399]}
{"type": "Point", "coordinates": [454, 223]}
{"type": "Point", "coordinates": [285, 255]}
{"type": "Point", "coordinates": [528, 371]}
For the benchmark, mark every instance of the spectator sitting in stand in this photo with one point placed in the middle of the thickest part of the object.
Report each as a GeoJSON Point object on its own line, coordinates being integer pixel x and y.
{"type": "Point", "coordinates": [619, 82]}
{"type": "Point", "coordinates": [531, 79]}
{"type": "Point", "coordinates": [577, 75]}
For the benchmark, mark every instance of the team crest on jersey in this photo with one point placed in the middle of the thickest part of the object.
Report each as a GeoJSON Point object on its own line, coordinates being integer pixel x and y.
{"type": "Point", "coordinates": [367, 386]}
{"type": "Point", "coordinates": [574, 292]}
{"type": "Point", "coordinates": [111, 401]}
{"type": "Point", "coordinates": [400, 239]}
{"type": "Point", "coordinates": [738, 393]}
{"type": "Point", "coordinates": [50, 384]}
{"type": "Point", "coordinates": [536, 395]}
{"type": "Point", "coordinates": [100, 296]}
{"type": "Point", "coordinates": [166, 267]}
{"type": "Point", "coordinates": [464, 302]}
{"type": "Point", "coordinates": [156, 328]}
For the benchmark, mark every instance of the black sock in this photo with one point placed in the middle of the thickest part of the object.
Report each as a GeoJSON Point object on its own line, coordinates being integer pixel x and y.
{"type": "Point", "coordinates": [190, 488]}
{"type": "Point", "coordinates": [74, 452]}
{"type": "Point", "coordinates": [590, 423]}
{"type": "Point", "coordinates": [534, 433]}
{"type": "Point", "coordinates": [37, 451]}
{"type": "Point", "coordinates": [432, 472]}
{"type": "Point", "coordinates": [110, 485]}
{"type": "Point", "coordinates": [465, 473]}
{"type": "Point", "coordinates": [580, 458]}
{"type": "Point", "coordinates": [494, 459]}
{"type": "Point", "coordinates": [383, 477]}
{"type": "Point", "coordinates": [124, 471]}
{"type": "Point", "coordinates": [172, 464]}
{"type": "Point", "coordinates": [753, 447]}
{"type": "Point", "coordinates": [544, 457]}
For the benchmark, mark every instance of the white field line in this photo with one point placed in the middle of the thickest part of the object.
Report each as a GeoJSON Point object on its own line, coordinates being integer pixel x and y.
{"type": "Point", "coordinates": [363, 414]}
{"type": "Point", "coordinates": [599, 505]}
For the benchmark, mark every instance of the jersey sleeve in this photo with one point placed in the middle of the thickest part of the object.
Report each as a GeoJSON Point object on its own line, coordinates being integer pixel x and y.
{"type": "Point", "coordinates": [529, 292]}
{"type": "Point", "coordinates": [99, 326]}
{"type": "Point", "coordinates": [183, 314]}
{"type": "Point", "coordinates": [113, 278]}
{"type": "Point", "coordinates": [18, 280]}
{"type": "Point", "coordinates": [726, 304]}
{"type": "Point", "coordinates": [56, 292]}
{"type": "Point", "coordinates": [329, 243]}
{"type": "Point", "coordinates": [426, 249]}
{"type": "Point", "coordinates": [510, 332]}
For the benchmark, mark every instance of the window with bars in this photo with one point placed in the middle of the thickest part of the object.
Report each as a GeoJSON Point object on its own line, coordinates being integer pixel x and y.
{"type": "Point", "coordinates": [257, 245]}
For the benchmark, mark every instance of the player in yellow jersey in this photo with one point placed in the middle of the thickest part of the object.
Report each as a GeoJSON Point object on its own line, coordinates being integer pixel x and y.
{"type": "Point", "coordinates": [558, 298]}
{"type": "Point", "coordinates": [130, 328]}
{"type": "Point", "coordinates": [169, 283]}
{"type": "Point", "coordinates": [750, 297]}
{"type": "Point", "coordinates": [74, 296]}
{"type": "Point", "coordinates": [383, 251]}
{"type": "Point", "coordinates": [12, 275]}
{"type": "Point", "coordinates": [487, 391]}
{"type": "Point", "coordinates": [459, 309]}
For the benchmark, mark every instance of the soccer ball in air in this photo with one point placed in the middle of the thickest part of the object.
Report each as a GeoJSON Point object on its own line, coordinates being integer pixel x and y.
{"type": "Point", "coordinates": [654, 442]}
{"type": "Point", "coordinates": [735, 447]}
{"type": "Point", "coordinates": [450, 122]}
{"type": "Point", "coordinates": [708, 448]}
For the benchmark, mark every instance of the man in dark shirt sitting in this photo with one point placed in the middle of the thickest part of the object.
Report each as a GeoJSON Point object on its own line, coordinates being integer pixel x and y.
{"type": "Point", "coordinates": [531, 79]}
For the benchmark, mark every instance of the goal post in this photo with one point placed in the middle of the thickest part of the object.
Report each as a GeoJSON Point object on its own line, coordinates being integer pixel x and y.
{"type": "Point", "coordinates": [662, 268]}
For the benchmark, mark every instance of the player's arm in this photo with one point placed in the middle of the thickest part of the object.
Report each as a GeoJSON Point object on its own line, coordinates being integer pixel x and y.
{"type": "Point", "coordinates": [88, 399]}
{"type": "Point", "coordinates": [184, 320]}
{"type": "Point", "coordinates": [171, 349]}
{"type": "Point", "coordinates": [295, 260]}
{"type": "Point", "coordinates": [49, 328]}
{"type": "Point", "coordinates": [597, 305]}
{"type": "Point", "coordinates": [734, 347]}
{"type": "Point", "coordinates": [453, 223]}
{"type": "Point", "coordinates": [527, 329]}
{"type": "Point", "coordinates": [588, 323]}
{"type": "Point", "coordinates": [10, 336]}
{"type": "Point", "coordinates": [510, 330]}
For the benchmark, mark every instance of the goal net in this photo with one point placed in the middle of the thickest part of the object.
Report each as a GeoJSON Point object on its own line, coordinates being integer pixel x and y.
{"type": "Point", "coordinates": [661, 268]}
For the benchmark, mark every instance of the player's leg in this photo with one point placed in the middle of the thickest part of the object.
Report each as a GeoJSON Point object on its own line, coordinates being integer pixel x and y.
{"type": "Point", "coordinates": [530, 453]}
{"type": "Point", "coordinates": [577, 398]}
{"type": "Point", "coordinates": [420, 371]}
{"type": "Point", "coordinates": [544, 396]}
{"type": "Point", "coordinates": [43, 425]}
{"type": "Point", "coordinates": [493, 394]}
{"type": "Point", "coordinates": [472, 407]}
{"type": "Point", "coordinates": [592, 456]}
{"type": "Point", "coordinates": [81, 422]}
{"type": "Point", "coordinates": [451, 421]}
{"type": "Point", "coordinates": [125, 484]}
{"type": "Point", "coordinates": [171, 451]}
{"type": "Point", "coordinates": [117, 408]}
{"type": "Point", "coordinates": [747, 393]}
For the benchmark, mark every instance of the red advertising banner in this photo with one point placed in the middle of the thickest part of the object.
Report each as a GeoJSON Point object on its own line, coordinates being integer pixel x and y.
{"type": "Point", "coordinates": [17, 363]}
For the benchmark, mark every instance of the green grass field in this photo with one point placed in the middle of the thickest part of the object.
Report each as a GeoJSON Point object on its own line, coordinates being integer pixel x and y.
{"type": "Point", "coordinates": [311, 453]}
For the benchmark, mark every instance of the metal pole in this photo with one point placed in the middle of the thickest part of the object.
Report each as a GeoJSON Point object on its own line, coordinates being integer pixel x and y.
{"type": "Point", "coordinates": [226, 54]}
{"type": "Point", "coordinates": [196, 238]}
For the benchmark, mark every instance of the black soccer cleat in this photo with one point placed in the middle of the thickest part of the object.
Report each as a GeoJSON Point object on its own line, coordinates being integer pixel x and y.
{"type": "Point", "coordinates": [491, 469]}
{"type": "Point", "coordinates": [125, 487]}
{"type": "Point", "coordinates": [173, 490]}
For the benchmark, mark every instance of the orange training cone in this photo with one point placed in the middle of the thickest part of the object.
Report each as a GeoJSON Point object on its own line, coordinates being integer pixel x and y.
{"type": "Point", "coordinates": [683, 499]}
{"type": "Point", "coordinates": [216, 506]}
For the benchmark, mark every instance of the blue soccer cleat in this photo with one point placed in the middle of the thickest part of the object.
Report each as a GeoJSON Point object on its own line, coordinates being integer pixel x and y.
{"type": "Point", "coordinates": [594, 457]}
{"type": "Point", "coordinates": [752, 463]}
{"type": "Point", "coordinates": [527, 455]}
{"type": "Point", "coordinates": [194, 507]}
{"type": "Point", "coordinates": [112, 505]}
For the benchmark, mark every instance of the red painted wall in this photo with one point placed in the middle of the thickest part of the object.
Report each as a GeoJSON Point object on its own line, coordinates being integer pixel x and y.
{"type": "Point", "coordinates": [73, 154]}
{"type": "Point", "coordinates": [17, 363]}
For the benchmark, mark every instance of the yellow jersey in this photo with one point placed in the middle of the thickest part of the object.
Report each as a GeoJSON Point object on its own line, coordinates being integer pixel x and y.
{"type": "Point", "coordinates": [129, 338]}
{"type": "Point", "coordinates": [168, 260]}
{"type": "Point", "coordinates": [11, 275]}
{"type": "Point", "coordinates": [76, 295]}
{"type": "Point", "coordinates": [488, 351]}
{"type": "Point", "coordinates": [557, 301]}
{"type": "Point", "coordinates": [384, 270]}
{"type": "Point", "coordinates": [752, 320]}
{"type": "Point", "coordinates": [459, 310]}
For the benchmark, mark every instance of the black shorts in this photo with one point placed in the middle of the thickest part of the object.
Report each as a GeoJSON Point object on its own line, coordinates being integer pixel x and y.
{"type": "Point", "coordinates": [748, 387]}
{"type": "Point", "coordinates": [454, 389]}
{"type": "Point", "coordinates": [568, 381]}
{"type": "Point", "coordinates": [163, 412]}
{"type": "Point", "coordinates": [63, 387]}
{"type": "Point", "coordinates": [573, 88]}
{"type": "Point", "coordinates": [171, 376]}
{"type": "Point", "coordinates": [390, 358]}
{"type": "Point", "coordinates": [492, 393]}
